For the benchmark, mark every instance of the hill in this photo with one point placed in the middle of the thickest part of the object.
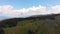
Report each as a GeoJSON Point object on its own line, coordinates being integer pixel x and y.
{"type": "Point", "coordinates": [32, 25]}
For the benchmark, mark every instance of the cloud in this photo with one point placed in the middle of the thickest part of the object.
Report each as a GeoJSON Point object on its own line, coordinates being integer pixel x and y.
{"type": "Point", "coordinates": [55, 9]}
{"type": "Point", "coordinates": [8, 10]}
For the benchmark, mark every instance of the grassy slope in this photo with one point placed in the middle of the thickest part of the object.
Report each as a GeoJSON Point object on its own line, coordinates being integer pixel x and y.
{"type": "Point", "coordinates": [37, 26]}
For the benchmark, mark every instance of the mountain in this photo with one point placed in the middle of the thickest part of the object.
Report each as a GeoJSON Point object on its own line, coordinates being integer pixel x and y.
{"type": "Point", "coordinates": [13, 21]}
{"type": "Point", "coordinates": [36, 24]}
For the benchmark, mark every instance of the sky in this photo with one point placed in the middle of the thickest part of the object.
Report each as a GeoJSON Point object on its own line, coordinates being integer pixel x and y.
{"type": "Point", "coordinates": [24, 8]}
{"type": "Point", "coordinates": [18, 4]}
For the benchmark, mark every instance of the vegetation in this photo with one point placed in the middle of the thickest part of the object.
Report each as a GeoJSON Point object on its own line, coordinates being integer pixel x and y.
{"type": "Point", "coordinates": [32, 26]}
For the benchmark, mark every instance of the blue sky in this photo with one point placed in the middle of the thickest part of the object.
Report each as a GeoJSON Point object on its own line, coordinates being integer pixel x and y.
{"type": "Point", "coordinates": [28, 3]}
{"type": "Point", "coordinates": [6, 9]}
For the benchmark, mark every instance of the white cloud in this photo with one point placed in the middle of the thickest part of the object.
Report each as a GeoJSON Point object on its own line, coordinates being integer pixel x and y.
{"type": "Point", "coordinates": [56, 9]}
{"type": "Point", "coordinates": [8, 10]}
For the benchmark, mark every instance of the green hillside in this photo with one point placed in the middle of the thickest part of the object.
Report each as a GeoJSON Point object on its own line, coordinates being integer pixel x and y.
{"type": "Point", "coordinates": [35, 26]}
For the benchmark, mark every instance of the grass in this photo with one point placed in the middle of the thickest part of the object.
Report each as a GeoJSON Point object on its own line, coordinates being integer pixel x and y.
{"type": "Point", "coordinates": [37, 26]}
